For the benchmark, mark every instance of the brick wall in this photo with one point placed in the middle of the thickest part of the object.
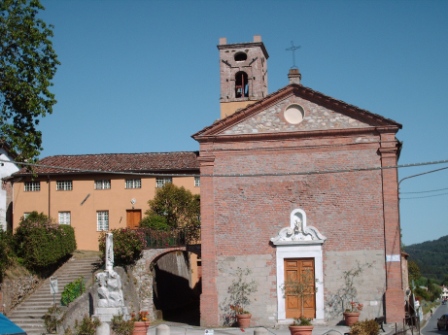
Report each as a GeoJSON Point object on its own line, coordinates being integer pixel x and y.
{"type": "Point", "coordinates": [255, 187]}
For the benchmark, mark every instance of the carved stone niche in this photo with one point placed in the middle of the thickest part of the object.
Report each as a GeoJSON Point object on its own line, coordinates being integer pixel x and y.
{"type": "Point", "coordinates": [298, 232]}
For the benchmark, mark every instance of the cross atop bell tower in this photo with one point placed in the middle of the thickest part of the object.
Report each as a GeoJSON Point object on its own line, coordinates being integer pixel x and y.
{"type": "Point", "coordinates": [243, 74]}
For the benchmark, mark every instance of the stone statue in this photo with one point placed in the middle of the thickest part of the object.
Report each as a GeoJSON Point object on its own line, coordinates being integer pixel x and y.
{"type": "Point", "coordinates": [110, 293]}
{"type": "Point", "coordinates": [115, 291]}
{"type": "Point", "coordinates": [103, 292]}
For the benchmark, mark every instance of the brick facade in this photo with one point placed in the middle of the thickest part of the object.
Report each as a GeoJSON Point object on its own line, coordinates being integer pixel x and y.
{"type": "Point", "coordinates": [256, 167]}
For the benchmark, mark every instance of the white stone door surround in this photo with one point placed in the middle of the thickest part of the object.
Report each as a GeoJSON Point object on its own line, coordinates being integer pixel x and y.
{"type": "Point", "coordinates": [299, 241]}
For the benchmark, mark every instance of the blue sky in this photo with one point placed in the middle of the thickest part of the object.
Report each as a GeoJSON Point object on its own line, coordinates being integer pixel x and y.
{"type": "Point", "coordinates": [143, 76]}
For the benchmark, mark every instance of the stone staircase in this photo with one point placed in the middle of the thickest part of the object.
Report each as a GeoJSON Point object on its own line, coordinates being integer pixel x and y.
{"type": "Point", "coordinates": [28, 315]}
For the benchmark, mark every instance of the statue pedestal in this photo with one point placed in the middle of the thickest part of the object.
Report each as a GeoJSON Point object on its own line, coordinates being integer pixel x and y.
{"type": "Point", "coordinates": [103, 329]}
{"type": "Point", "coordinates": [105, 314]}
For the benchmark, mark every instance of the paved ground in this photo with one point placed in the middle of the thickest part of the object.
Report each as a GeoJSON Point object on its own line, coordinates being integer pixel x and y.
{"type": "Point", "coordinates": [182, 329]}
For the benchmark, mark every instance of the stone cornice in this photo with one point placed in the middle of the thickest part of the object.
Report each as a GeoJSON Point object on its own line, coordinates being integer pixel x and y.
{"type": "Point", "coordinates": [287, 135]}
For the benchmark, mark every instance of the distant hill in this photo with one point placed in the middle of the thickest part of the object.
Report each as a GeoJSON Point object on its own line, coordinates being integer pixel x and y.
{"type": "Point", "coordinates": [431, 257]}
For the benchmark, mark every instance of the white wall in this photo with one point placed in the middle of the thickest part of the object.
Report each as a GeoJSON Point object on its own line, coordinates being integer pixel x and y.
{"type": "Point", "coordinates": [6, 169]}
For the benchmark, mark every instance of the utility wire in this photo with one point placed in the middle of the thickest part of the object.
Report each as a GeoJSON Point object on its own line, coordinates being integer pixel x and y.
{"type": "Point", "coordinates": [233, 175]}
{"type": "Point", "coordinates": [437, 190]}
{"type": "Point", "coordinates": [425, 196]}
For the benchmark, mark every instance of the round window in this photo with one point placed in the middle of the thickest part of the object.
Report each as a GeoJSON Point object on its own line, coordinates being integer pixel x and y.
{"type": "Point", "coordinates": [294, 114]}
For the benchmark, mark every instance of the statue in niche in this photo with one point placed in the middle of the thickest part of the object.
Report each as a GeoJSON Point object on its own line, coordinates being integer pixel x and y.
{"type": "Point", "coordinates": [298, 231]}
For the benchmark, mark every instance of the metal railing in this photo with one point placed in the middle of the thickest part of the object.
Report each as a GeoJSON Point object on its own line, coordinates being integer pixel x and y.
{"type": "Point", "coordinates": [176, 237]}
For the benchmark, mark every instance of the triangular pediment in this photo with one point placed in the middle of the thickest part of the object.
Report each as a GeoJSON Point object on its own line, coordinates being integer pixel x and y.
{"type": "Point", "coordinates": [295, 109]}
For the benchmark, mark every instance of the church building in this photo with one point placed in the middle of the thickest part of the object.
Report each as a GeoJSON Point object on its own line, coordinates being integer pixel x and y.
{"type": "Point", "coordinates": [297, 182]}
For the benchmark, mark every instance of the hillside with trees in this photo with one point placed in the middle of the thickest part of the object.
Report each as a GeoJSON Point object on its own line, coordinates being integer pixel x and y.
{"type": "Point", "coordinates": [431, 258]}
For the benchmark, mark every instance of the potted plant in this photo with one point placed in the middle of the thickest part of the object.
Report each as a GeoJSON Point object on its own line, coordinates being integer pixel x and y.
{"type": "Point", "coordinates": [141, 323]}
{"type": "Point", "coordinates": [351, 314]}
{"type": "Point", "coordinates": [302, 287]}
{"type": "Point", "coordinates": [240, 291]}
{"type": "Point", "coordinates": [344, 301]}
{"type": "Point", "coordinates": [301, 326]}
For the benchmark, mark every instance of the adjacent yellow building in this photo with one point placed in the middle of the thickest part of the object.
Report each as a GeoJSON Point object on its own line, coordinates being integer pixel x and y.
{"type": "Point", "coordinates": [99, 192]}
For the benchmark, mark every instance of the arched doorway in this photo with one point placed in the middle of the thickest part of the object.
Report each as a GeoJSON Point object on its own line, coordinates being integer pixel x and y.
{"type": "Point", "coordinates": [176, 287]}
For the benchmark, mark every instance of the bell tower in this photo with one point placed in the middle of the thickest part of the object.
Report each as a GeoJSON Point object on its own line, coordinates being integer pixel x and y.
{"type": "Point", "coordinates": [243, 73]}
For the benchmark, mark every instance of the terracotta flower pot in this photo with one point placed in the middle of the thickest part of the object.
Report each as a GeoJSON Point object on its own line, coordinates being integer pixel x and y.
{"type": "Point", "coordinates": [351, 318]}
{"type": "Point", "coordinates": [140, 327]}
{"type": "Point", "coordinates": [243, 320]}
{"type": "Point", "coordinates": [300, 330]}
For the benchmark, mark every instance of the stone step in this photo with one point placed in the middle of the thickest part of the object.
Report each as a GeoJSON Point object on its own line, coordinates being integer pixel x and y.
{"type": "Point", "coordinates": [32, 314]}
{"type": "Point", "coordinates": [29, 314]}
{"type": "Point", "coordinates": [34, 329]}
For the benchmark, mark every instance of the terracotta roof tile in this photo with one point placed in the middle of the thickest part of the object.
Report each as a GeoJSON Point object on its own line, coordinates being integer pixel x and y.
{"type": "Point", "coordinates": [133, 162]}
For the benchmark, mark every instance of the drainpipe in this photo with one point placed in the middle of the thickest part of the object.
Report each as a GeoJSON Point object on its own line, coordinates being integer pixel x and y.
{"type": "Point", "coordinates": [49, 195]}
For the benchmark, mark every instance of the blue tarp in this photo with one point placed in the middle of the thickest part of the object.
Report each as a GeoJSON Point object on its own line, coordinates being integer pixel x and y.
{"type": "Point", "coordinates": [7, 327]}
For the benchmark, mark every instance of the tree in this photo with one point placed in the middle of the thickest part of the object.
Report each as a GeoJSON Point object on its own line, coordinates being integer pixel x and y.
{"type": "Point", "coordinates": [155, 222]}
{"type": "Point", "coordinates": [413, 271]}
{"type": "Point", "coordinates": [179, 206]}
{"type": "Point", "coordinates": [27, 66]}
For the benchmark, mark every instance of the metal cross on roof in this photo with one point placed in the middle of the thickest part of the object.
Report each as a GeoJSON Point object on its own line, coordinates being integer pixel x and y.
{"type": "Point", "coordinates": [293, 49]}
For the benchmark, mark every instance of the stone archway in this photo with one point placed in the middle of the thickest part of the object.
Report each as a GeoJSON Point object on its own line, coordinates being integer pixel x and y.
{"type": "Point", "coordinates": [299, 241]}
{"type": "Point", "coordinates": [168, 284]}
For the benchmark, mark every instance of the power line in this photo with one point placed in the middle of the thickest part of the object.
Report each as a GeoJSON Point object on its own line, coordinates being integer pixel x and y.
{"type": "Point", "coordinates": [233, 175]}
{"type": "Point", "coordinates": [425, 196]}
{"type": "Point", "coordinates": [437, 190]}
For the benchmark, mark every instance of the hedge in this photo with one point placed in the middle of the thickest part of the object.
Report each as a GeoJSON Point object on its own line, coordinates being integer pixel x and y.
{"type": "Point", "coordinates": [42, 243]}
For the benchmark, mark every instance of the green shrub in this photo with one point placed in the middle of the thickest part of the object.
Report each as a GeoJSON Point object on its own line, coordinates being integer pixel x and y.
{"type": "Point", "coordinates": [367, 327]}
{"type": "Point", "coordinates": [120, 326]}
{"type": "Point", "coordinates": [302, 321]}
{"type": "Point", "coordinates": [72, 291]}
{"type": "Point", "coordinates": [87, 326]}
{"type": "Point", "coordinates": [53, 318]}
{"type": "Point", "coordinates": [6, 252]}
{"type": "Point", "coordinates": [42, 243]}
{"type": "Point", "coordinates": [128, 245]}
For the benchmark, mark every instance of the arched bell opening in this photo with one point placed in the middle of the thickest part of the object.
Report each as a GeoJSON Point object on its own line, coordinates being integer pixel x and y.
{"type": "Point", "coordinates": [241, 85]}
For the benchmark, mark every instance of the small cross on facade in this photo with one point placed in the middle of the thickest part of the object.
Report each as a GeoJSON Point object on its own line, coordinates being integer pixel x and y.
{"type": "Point", "coordinates": [293, 49]}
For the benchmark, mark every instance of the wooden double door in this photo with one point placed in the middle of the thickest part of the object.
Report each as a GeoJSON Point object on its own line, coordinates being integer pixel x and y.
{"type": "Point", "coordinates": [133, 218]}
{"type": "Point", "coordinates": [300, 276]}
